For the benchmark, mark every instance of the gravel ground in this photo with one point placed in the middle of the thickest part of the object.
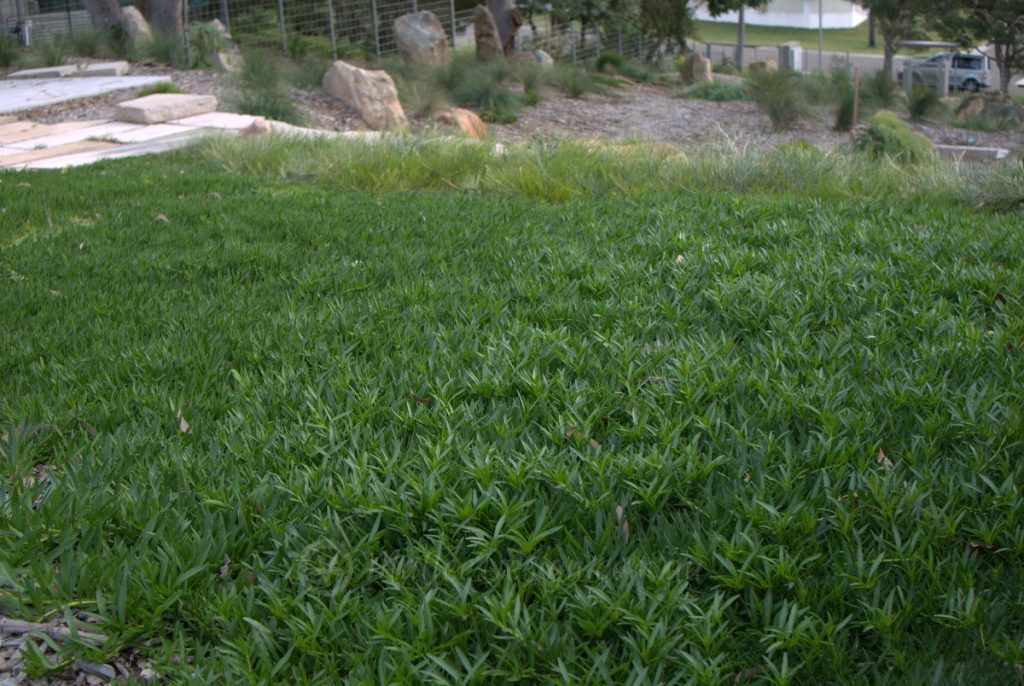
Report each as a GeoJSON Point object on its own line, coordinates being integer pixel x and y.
{"type": "Point", "coordinates": [637, 112]}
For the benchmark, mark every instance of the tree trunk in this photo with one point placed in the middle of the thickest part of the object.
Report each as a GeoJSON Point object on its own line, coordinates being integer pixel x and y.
{"type": "Point", "coordinates": [165, 16]}
{"type": "Point", "coordinates": [104, 14]}
{"type": "Point", "coordinates": [1005, 66]}
{"type": "Point", "coordinates": [741, 36]}
{"type": "Point", "coordinates": [890, 61]}
{"type": "Point", "coordinates": [872, 30]}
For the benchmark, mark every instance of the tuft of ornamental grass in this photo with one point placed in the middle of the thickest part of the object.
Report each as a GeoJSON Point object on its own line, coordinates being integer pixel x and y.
{"type": "Point", "coordinates": [716, 91]}
{"type": "Point", "coordinates": [260, 89]}
{"type": "Point", "coordinates": [564, 170]}
{"type": "Point", "coordinates": [10, 54]}
{"type": "Point", "coordinates": [779, 95]}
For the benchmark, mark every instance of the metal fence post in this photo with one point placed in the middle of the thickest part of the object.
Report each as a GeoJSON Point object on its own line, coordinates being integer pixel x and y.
{"type": "Point", "coordinates": [280, 19]}
{"type": "Point", "coordinates": [572, 44]}
{"type": "Point", "coordinates": [224, 17]}
{"type": "Point", "coordinates": [451, 15]}
{"type": "Point", "coordinates": [376, 26]}
{"type": "Point", "coordinates": [415, 6]}
{"type": "Point", "coordinates": [334, 36]}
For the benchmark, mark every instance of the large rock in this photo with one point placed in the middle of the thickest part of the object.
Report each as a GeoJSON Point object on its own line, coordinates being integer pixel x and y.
{"type": "Point", "coordinates": [543, 59]}
{"type": "Point", "coordinates": [485, 32]}
{"type": "Point", "coordinates": [508, 19]}
{"type": "Point", "coordinates": [696, 69]}
{"type": "Point", "coordinates": [467, 122]}
{"type": "Point", "coordinates": [228, 58]}
{"type": "Point", "coordinates": [161, 107]}
{"type": "Point", "coordinates": [997, 109]}
{"type": "Point", "coordinates": [421, 39]}
{"type": "Point", "coordinates": [136, 28]}
{"type": "Point", "coordinates": [371, 93]}
{"type": "Point", "coordinates": [763, 67]}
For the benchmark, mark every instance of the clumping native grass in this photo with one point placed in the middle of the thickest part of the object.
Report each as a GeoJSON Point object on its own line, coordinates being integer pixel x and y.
{"type": "Point", "coordinates": [780, 96]}
{"type": "Point", "coordinates": [10, 55]}
{"type": "Point", "coordinates": [298, 434]}
{"type": "Point", "coordinates": [922, 101]}
{"type": "Point", "coordinates": [889, 137]}
{"type": "Point", "coordinates": [205, 41]}
{"type": "Point", "coordinates": [260, 90]}
{"type": "Point", "coordinates": [307, 74]}
{"type": "Point", "coordinates": [161, 87]}
{"type": "Point", "coordinates": [716, 91]}
{"type": "Point", "coordinates": [53, 52]}
{"type": "Point", "coordinates": [165, 49]}
{"type": "Point", "coordinates": [86, 42]}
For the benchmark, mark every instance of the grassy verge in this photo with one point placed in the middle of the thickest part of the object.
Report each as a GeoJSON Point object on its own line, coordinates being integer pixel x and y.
{"type": "Point", "coordinates": [281, 432]}
{"type": "Point", "coordinates": [835, 40]}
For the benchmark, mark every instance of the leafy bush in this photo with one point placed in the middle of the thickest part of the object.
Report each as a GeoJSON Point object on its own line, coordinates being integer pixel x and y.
{"type": "Point", "coordinates": [717, 91]}
{"type": "Point", "coordinates": [205, 41]}
{"type": "Point", "coordinates": [923, 100]}
{"type": "Point", "coordinates": [9, 52]}
{"type": "Point", "coordinates": [726, 66]}
{"type": "Point", "coordinates": [162, 87]}
{"type": "Point", "coordinates": [610, 61]}
{"type": "Point", "coordinates": [260, 90]}
{"type": "Point", "coordinates": [886, 136]}
{"type": "Point", "coordinates": [778, 95]}
{"type": "Point", "coordinates": [844, 97]}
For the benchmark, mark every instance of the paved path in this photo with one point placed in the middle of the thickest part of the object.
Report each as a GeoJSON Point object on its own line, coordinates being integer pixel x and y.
{"type": "Point", "coordinates": [17, 95]}
{"type": "Point", "coordinates": [30, 145]}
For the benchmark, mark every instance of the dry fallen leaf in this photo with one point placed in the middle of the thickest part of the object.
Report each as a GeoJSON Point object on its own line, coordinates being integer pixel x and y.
{"type": "Point", "coordinates": [748, 674]}
{"type": "Point", "coordinates": [883, 460]}
{"type": "Point", "coordinates": [226, 567]}
{"type": "Point", "coordinates": [620, 519]}
{"type": "Point", "coordinates": [162, 218]}
{"type": "Point", "coordinates": [183, 424]}
{"type": "Point", "coordinates": [215, 195]}
{"type": "Point", "coordinates": [679, 258]}
{"type": "Point", "coordinates": [55, 293]}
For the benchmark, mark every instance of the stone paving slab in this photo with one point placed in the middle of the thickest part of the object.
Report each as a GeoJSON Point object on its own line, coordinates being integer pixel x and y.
{"type": "Point", "coordinates": [143, 134]}
{"type": "Point", "coordinates": [163, 107]}
{"type": "Point", "coordinates": [29, 130]}
{"type": "Point", "coordinates": [113, 152]}
{"type": "Point", "coordinates": [27, 94]}
{"type": "Point", "coordinates": [97, 130]}
{"type": "Point", "coordinates": [218, 120]}
{"type": "Point", "coordinates": [102, 69]}
{"type": "Point", "coordinates": [969, 153]}
{"type": "Point", "coordinates": [56, 72]}
{"type": "Point", "coordinates": [22, 158]}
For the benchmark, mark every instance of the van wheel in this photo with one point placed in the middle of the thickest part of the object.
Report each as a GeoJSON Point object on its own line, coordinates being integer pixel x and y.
{"type": "Point", "coordinates": [971, 86]}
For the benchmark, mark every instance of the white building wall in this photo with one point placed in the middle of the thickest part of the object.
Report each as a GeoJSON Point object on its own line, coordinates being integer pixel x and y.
{"type": "Point", "coordinates": [802, 14]}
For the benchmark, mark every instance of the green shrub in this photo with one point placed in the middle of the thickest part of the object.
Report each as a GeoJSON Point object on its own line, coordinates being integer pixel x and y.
{"type": "Point", "coordinates": [923, 100]}
{"type": "Point", "coordinates": [205, 41]}
{"type": "Point", "coordinates": [886, 136]}
{"type": "Point", "coordinates": [9, 52]}
{"type": "Point", "coordinates": [778, 95]}
{"type": "Point", "coordinates": [260, 90]}
{"type": "Point", "coordinates": [162, 87]}
{"type": "Point", "coordinates": [844, 97]}
{"type": "Point", "coordinates": [610, 61]}
{"type": "Point", "coordinates": [717, 91]}
{"type": "Point", "coordinates": [54, 52]}
{"type": "Point", "coordinates": [726, 66]}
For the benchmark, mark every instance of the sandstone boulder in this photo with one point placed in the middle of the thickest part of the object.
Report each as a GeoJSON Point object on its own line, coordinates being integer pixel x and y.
{"type": "Point", "coordinates": [136, 29]}
{"type": "Point", "coordinates": [372, 94]}
{"type": "Point", "coordinates": [229, 57]}
{"type": "Point", "coordinates": [763, 66]}
{"type": "Point", "coordinates": [421, 39]}
{"type": "Point", "coordinates": [485, 32]}
{"type": "Point", "coordinates": [997, 109]}
{"type": "Point", "coordinates": [467, 122]}
{"type": "Point", "coordinates": [696, 69]}
{"type": "Point", "coordinates": [545, 60]}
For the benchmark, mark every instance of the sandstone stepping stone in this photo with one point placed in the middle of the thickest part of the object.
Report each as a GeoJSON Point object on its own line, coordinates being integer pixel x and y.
{"type": "Point", "coordinates": [218, 120]}
{"type": "Point", "coordinates": [102, 69]}
{"type": "Point", "coordinates": [112, 152]}
{"type": "Point", "coordinates": [96, 130]}
{"type": "Point", "coordinates": [163, 107]}
{"type": "Point", "coordinates": [27, 130]}
{"type": "Point", "coordinates": [143, 134]}
{"type": "Point", "coordinates": [23, 157]}
{"type": "Point", "coordinates": [44, 72]}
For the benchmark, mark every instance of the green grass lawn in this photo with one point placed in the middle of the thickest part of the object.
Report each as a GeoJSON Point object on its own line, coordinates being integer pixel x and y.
{"type": "Point", "coordinates": [835, 40]}
{"type": "Point", "coordinates": [299, 434]}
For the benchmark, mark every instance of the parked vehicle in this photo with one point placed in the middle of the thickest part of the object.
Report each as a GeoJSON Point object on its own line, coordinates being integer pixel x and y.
{"type": "Point", "coordinates": [968, 71]}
